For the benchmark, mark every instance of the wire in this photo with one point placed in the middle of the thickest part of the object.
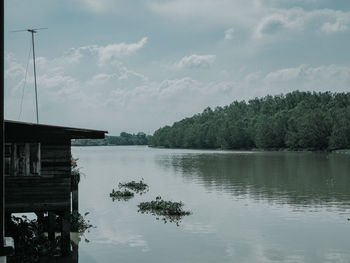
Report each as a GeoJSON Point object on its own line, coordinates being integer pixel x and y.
{"type": "Point", "coordinates": [24, 84]}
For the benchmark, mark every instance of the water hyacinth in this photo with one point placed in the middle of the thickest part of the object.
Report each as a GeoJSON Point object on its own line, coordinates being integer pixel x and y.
{"type": "Point", "coordinates": [167, 210]}
{"type": "Point", "coordinates": [121, 195]}
{"type": "Point", "coordinates": [138, 187]}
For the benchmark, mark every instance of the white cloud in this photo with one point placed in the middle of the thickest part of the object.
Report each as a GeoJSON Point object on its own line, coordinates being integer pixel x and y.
{"type": "Point", "coordinates": [272, 24]}
{"type": "Point", "coordinates": [229, 33]}
{"type": "Point", "coordinates": [13, 69]}
{"type": "Point", "coordinates": [196, 61]}
{"type": "Point", "coordinates": [297, 19]}
{"type": "Point", "coordinates": [119, 98]}
{"type": "Point", "coordinates": [323, 78]}
{"type": "Point", "coordinates": [106, 54]}
{"type": "Point", "coordinates": [111, 52]}
{"type": "Point", "coordinates": [258, 17]}
{"type": "Point", "coordinates": [337, 26]}
{"type": "Point", "coordinates": [208, 12]}
{"type": "Point", "coordinates": [100, 6]}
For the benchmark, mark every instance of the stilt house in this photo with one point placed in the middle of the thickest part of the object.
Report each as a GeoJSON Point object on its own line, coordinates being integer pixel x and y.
{"type": "Point", "coordinates": [38, 170]}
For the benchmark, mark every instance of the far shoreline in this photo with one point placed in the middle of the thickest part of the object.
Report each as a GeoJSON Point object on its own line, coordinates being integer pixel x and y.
{"type": "Point", "coordinates": [340, 151]}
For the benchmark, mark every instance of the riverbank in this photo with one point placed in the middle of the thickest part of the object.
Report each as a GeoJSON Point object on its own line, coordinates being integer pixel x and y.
{"type": "Point", "coordinates": [343, 151]}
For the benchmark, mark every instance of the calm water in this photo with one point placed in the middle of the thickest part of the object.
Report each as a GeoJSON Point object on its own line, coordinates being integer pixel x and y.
{"type": "Point", "coordinates": [247, 206]}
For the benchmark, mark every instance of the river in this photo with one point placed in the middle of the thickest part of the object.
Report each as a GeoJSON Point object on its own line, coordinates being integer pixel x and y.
{"type": "Point", "coordinates": [246, 206]}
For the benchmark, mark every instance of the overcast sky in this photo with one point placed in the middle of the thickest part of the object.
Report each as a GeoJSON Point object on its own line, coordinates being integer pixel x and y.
{"type": "Point", "coordinates": [139, 65]}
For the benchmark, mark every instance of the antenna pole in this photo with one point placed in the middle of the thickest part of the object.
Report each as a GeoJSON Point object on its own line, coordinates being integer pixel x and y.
{"type": "Point", "coordinates": [36, 92]}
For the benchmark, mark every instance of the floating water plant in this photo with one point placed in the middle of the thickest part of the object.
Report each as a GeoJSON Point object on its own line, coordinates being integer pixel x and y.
{"type": "Point", "coordinates": [121, 195]}
{"type": "Point", "coordinates": [138, 187]}
{"type": "Point", "coordinates": [166, 210]}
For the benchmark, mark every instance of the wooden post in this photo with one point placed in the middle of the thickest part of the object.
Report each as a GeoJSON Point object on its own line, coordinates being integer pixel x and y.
{"type": "Point", "coordinates": [39, 159]}
{"type": "Point", "coordinates": [75, 205]}
{"type": "Point", "coordinates": [51, 226]}
{"type": "Point", "coordinates": [2, 138]}
{"type": "Point", "coordinates": [75, 253]}
{"type": "Point", "coordinates": [65, 233]}
{"type": "Point", "coordinates": [26, 159]}
{"type": "Point", "coordinates": [75, 200]}
{"type": "Point", "coordinates": [13, 160]}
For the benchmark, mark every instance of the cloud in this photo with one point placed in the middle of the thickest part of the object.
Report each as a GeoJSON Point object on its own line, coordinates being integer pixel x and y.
{"type": "Point", "coordinates": [300, 20]}
{"type": "Point", "coordinates": [100, 6]}
{"type": "Point", "coordinates": [117, 97]}
{"type": "Point", "coordinates": [110, 52]}
{"type": "Point", "coordinates": [196, 61]}
{"type": "Point", "coordinates": [106, 54]}
{"type": "Point", "coordinates": [13, 69]}
{"type": "Point", "coordinates": [337, 26]}
{"type": "Point", "coordinates": [323, 78]}
{"type": "Point", "coordinates": [259, 17]}
{"type": "Point", "coordinates": [209, 12]}
{"type": "Point", "coordinates": [274, 23]}
{"type": "Point", "coordinates": [229, 33]}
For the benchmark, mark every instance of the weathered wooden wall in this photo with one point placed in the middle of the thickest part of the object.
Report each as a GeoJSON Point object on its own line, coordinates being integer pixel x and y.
{"type": "Point", "coordinates": [56, 159]}
{"type": "Point", "coordinates": [51, 191]}
{"type": "Point", "coordinates": [34, 193]}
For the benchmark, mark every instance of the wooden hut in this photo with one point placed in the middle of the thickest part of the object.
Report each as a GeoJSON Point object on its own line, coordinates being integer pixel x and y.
{"type": "Point", "coordinates": [38, 171]}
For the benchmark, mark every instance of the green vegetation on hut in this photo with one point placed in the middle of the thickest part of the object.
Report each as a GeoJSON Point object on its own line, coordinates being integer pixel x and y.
{"type": "Point", "coordinates": [168, 210]}
{"type": "Point", "coordinates": [297, 120]}
{"type": "Point", "coordinates": [31, 241]}
{"type": "Point", "coordinates": [79, 223]}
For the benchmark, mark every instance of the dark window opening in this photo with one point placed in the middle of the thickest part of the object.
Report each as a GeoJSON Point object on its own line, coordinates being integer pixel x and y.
{"type": "Point", "coordinates": [22, 159]}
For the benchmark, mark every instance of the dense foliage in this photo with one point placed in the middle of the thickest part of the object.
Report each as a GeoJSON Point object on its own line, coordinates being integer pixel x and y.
{"type": "Point", "coordinates": [297, 120]}
{"type": "Point", "coordinates": [123, 139]}
{"type": "Point", "coordinates": [167, 210]}
{"type": "Point", "coordinates": [123, 195]}
{"type": "Point", "coordinates": [31, 241]}
{"type": "Point", "coordinates": [138, 187]}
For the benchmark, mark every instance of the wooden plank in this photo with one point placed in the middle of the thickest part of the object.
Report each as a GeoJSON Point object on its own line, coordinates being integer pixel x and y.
{"type": "Point", "coordinates": [49, 154]}
{"type": "Point", "coordinates": [34, 207]}
{"type": "Point", "coordinates": [25, 194]}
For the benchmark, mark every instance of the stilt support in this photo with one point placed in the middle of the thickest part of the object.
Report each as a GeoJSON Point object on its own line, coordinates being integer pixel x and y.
{"type": "Point", "coordinates": [65, 234]}
{"type": "Point", "coordinates": [51, 226]}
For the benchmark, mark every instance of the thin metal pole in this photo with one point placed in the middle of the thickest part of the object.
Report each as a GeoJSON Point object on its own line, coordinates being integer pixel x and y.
{"type": "Point", "coordinates": [36, 92]}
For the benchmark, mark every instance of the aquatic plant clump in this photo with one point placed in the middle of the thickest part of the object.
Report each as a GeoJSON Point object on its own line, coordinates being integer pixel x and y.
{"type": "Point", "coordinates": [138, 187]}
{"type": "Point", "coordinates": [168, 210]}
{"type": "Point", "coordinates": [121, 195]}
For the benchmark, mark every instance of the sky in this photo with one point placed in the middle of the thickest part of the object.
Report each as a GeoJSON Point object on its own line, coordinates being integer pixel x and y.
{"type": "Point", "coordinates": [139, 65]}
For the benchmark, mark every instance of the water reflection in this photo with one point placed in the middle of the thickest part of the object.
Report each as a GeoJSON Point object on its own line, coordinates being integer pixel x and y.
{"type": "Point", "coordinates": [282, 177]}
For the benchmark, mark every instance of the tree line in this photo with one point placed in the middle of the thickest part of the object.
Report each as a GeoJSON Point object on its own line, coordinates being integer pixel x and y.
{"type": "Point", "coordinates": [123, 139]}
{"type": "Point", "coordinates": [297, 120]}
